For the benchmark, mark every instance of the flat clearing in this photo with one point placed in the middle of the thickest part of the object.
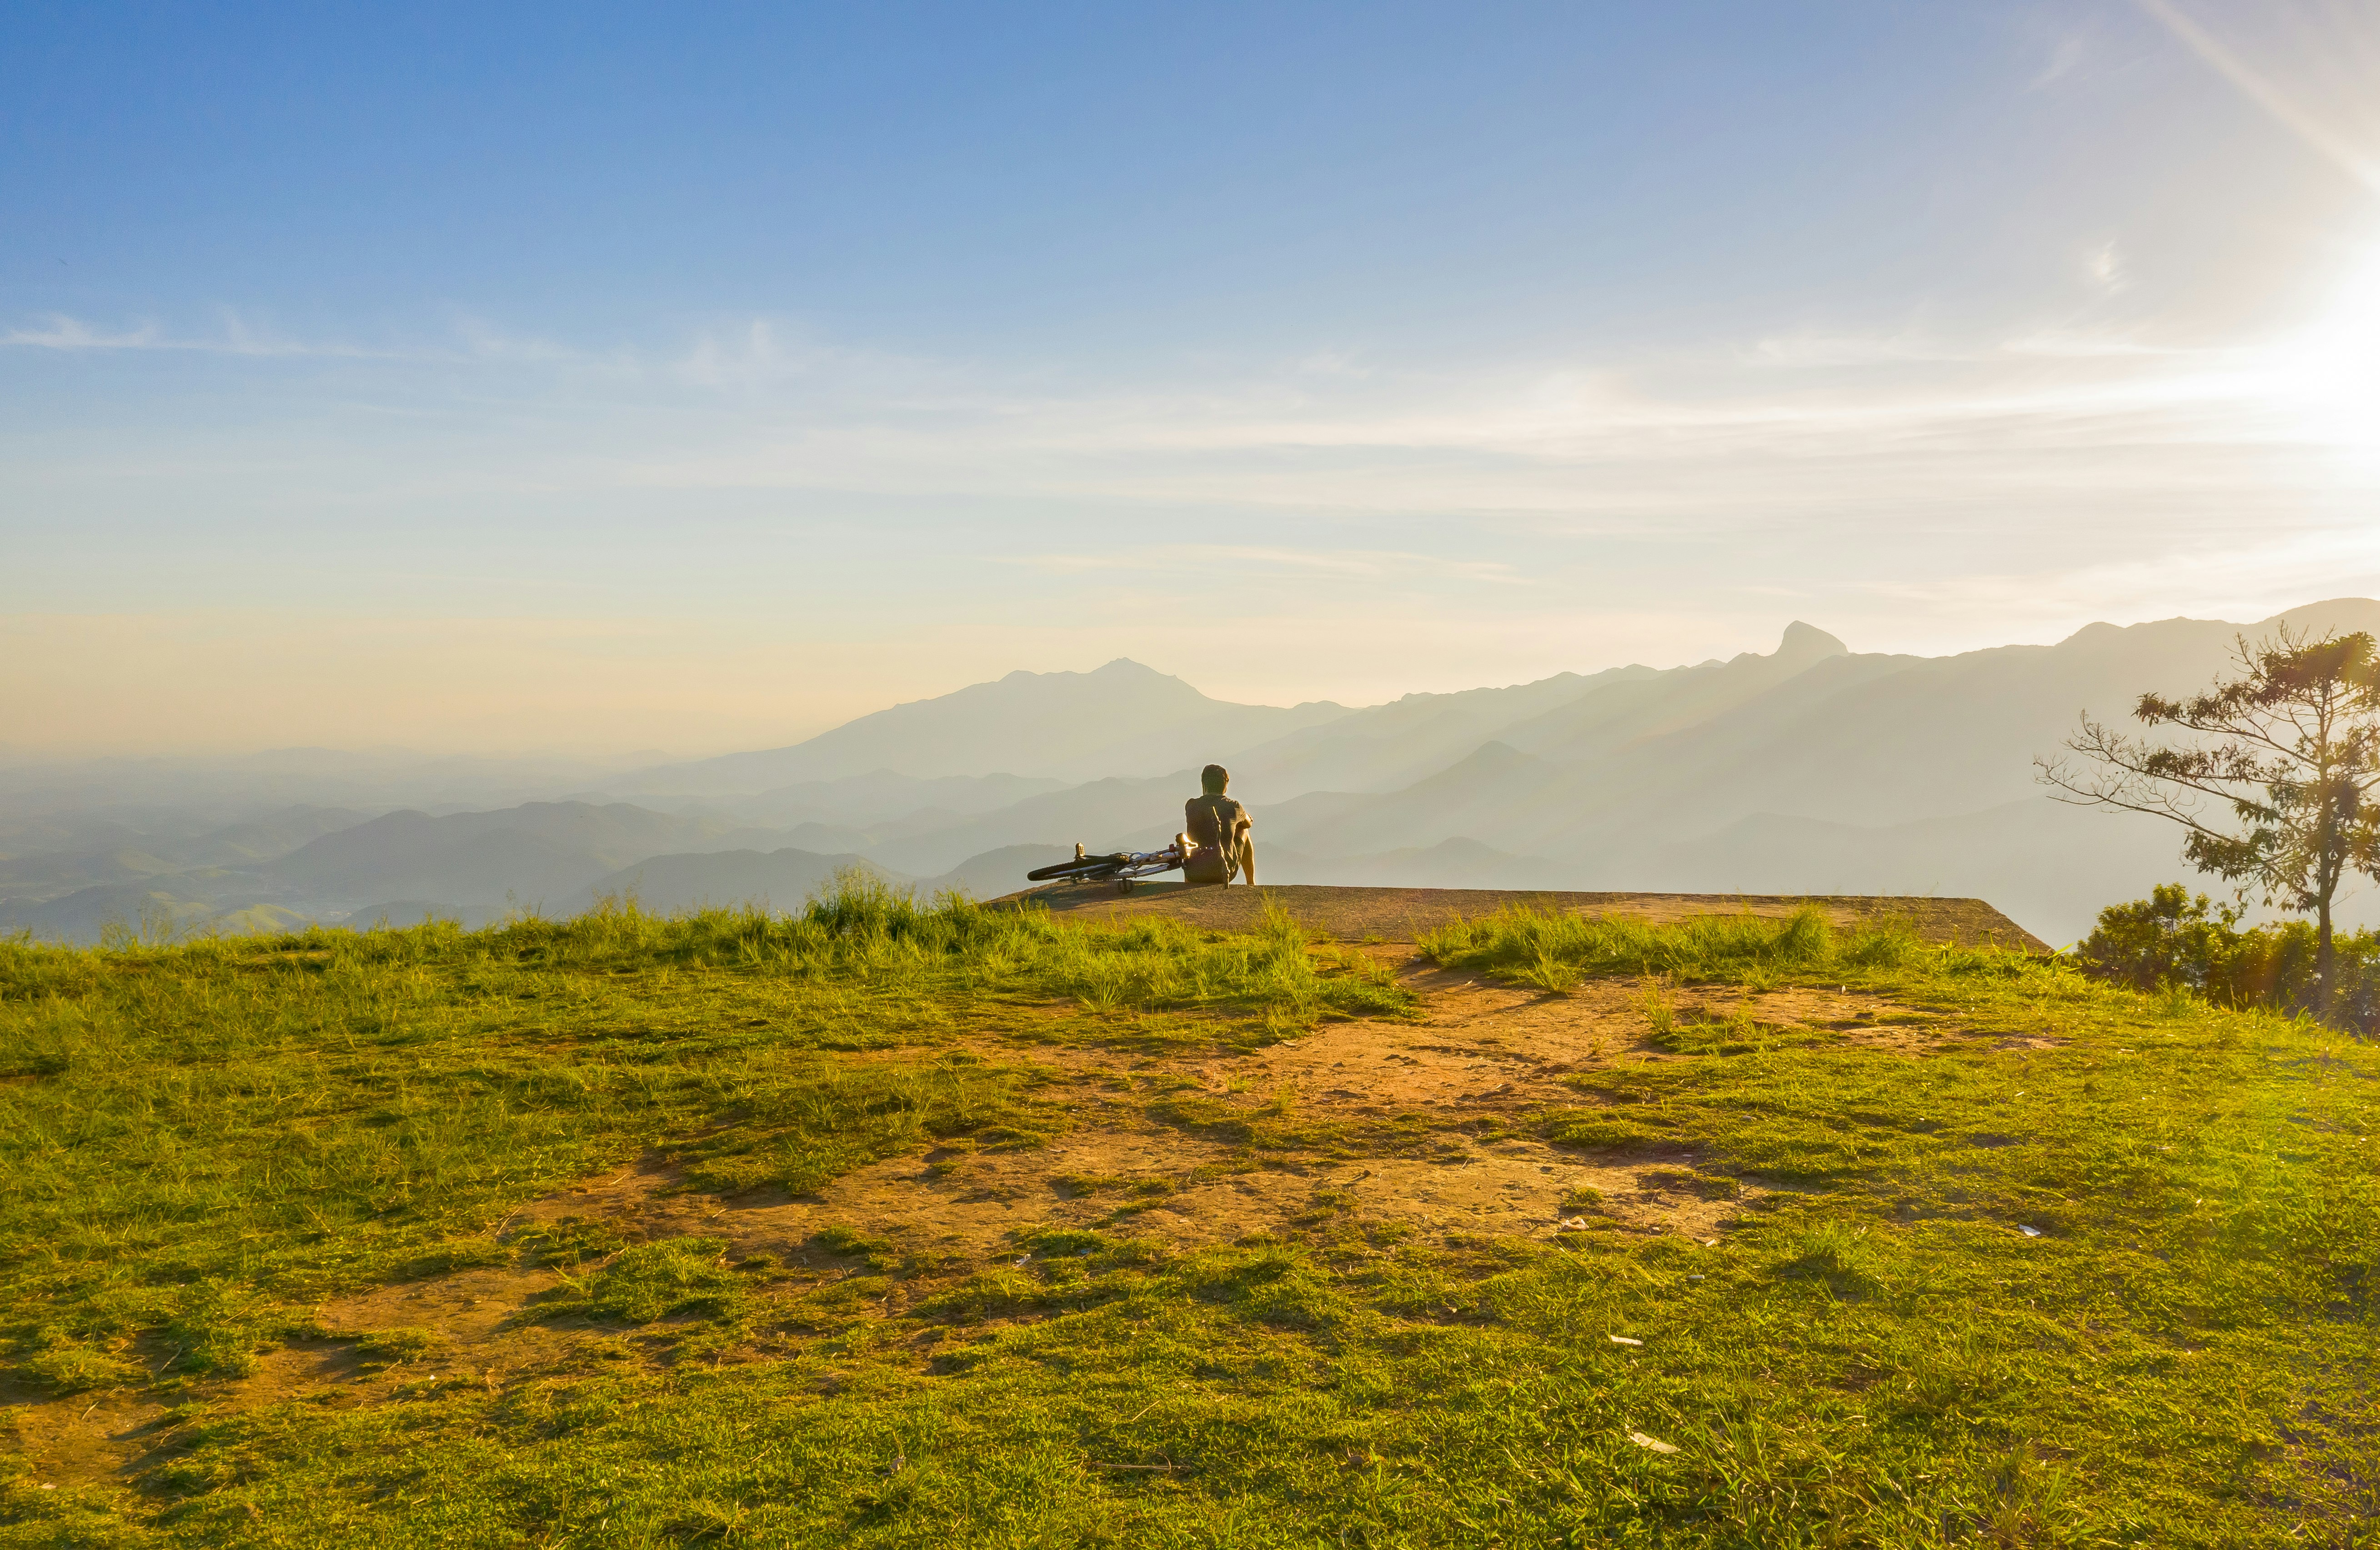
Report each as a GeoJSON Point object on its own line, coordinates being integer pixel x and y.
{"type": "Point", "coordinates": [897, 1225]}
{"type": "Point", "coordinates": [1403, 914]}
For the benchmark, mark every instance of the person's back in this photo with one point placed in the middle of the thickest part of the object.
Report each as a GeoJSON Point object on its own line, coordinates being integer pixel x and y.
{"type": "Point", "coordinates": [1218, 829]}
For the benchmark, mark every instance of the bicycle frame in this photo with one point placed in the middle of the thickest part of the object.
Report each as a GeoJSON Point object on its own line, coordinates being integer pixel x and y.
{"type": "Point", "coordinates": [1123, 868]}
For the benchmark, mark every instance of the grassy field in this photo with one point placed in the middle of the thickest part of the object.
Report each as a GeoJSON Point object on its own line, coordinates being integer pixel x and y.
{"type": "Point", "coordinates": [2005, 1257]}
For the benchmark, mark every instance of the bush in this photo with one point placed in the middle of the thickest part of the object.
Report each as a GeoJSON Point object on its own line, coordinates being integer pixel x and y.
{"type": "Point", "coordinates": [2171, 941]}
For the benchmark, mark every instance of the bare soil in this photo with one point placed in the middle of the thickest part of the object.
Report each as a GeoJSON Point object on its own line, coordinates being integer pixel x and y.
{"type": "Point", "coordinates": [82, 1436]}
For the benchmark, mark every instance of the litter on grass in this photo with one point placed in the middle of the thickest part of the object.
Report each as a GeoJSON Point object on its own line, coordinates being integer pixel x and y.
{"type": "Point", "coordinates": [1623, 1340]}
{"type": "Point", "coordinates": [2030, 1232]}
{"type": "Point", "coordinates": [1651, 1443]}
{"type": "Point", "coordinates": [1574, 1224]}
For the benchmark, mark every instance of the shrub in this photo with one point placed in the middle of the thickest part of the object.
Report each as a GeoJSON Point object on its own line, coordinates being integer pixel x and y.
{"type": "Point", "coordinates": [2173, 941]}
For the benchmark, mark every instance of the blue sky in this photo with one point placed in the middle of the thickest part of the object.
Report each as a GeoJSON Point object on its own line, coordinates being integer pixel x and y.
{"type": "Point", "coordinates": [600, 378]}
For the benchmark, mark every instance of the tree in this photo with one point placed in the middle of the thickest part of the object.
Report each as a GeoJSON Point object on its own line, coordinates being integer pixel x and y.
{"type": "Point", "coordinates": [2275, 789]}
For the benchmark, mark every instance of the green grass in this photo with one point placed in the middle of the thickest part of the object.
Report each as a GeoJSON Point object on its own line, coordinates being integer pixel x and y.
{"type": "Point", "coordinates": [1553, 950]}
{"type": "Point", "coordinates": [200, 1139]}
{"type": "Point", "coordinates": [200, 1142]}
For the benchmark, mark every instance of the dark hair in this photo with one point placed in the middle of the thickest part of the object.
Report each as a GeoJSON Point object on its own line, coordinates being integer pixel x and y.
{"type": "Point", "coordinates": [1213, 778]}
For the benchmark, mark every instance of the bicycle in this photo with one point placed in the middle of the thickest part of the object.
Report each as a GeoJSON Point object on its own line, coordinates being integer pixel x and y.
{"type": "Point", "coordinates": [1124, 867]}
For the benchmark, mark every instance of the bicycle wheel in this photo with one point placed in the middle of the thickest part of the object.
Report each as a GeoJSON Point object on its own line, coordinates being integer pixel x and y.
{"type": "Point", "coordinates": [1088, 868]}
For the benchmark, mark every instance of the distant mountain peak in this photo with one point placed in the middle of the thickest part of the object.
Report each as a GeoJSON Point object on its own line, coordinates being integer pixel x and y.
{"type": "Point", "coordinates": [1122, 668]}
{"type": "Point", "coordinates": [1805, 642]}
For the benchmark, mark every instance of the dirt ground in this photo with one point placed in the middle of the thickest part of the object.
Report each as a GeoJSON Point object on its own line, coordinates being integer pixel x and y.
{"type": "Point", "coordinates": [1397, 914]}
{"type": "Point", "coordinates": [1478, 1049]}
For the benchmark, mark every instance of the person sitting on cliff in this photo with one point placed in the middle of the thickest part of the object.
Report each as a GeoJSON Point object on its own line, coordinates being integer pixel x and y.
{"type": "Point", "coordinates": [1216, 844]}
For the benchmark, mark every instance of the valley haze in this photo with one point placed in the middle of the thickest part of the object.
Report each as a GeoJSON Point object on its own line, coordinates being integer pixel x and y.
{"type": "Point", "coordinates": [1811, 768]}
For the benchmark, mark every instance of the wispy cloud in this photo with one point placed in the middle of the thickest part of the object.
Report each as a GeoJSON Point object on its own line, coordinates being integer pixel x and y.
{"type": "Point", "coordinates": [1726, 438]}
{"type": "Point", "coordinates": [1806, 351]}
{"type": "Point", "coordinates": [234, 335]}
{"type": "Point", "coordinates": [481, 340]}
{"type": "Point", "coordinates": [63, 333]}
{"type": "Point", "coordinates": [472, 339]}
{"type": "Point", "coordinates": [760, 354]}
{"type": "Point", "coordinates": [2105, 264]}
{"type": "Point", "coordinates": [1332, 363]}
{"type": "Point", "coordinates": [2066, 52]}
{"type": "Point", "coordinates": [796, 398]}
{"type": "Point", "coordinates": [2089, 344]}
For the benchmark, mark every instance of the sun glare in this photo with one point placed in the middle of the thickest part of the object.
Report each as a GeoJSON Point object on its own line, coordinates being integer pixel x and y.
{"type": "Point", "coordinates": [2330, 373]}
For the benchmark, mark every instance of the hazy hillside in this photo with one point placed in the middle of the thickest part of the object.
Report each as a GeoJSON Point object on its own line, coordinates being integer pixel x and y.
{"type": "Point", "coordinates": [781, 878]}
{"type": "Point", "coordinates": [537, 851]}
{"type": "Point", "coordinates": [151, 866]}
{"type": "Point", "coordinates": [1103, 815]}
{"type": "Point", "coordinates": [1124, 719]}
{"type": "Point", "coordinates": [995, 873]}
{"type": "Point", "coordinates": [1452, 863]}
{"type": "Point", "coordinates": [884, 797]}
{"type": "Point", "coordinates": [266, 838]}
{"type": "Point", "coordinates": [1622, 714]}
{"type": "Point", "coordinates": [1391, 746]}
{"type": "Point", "coordinates": [786, 878]}
{"type": "Point", "coordinates": [192, 796]}
{"type": "Point", "coordinates": [2039, 861]}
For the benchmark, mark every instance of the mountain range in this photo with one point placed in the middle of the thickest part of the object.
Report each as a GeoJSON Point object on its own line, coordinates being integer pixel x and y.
{"type": "Point", "coordinates": [1808, 769]}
